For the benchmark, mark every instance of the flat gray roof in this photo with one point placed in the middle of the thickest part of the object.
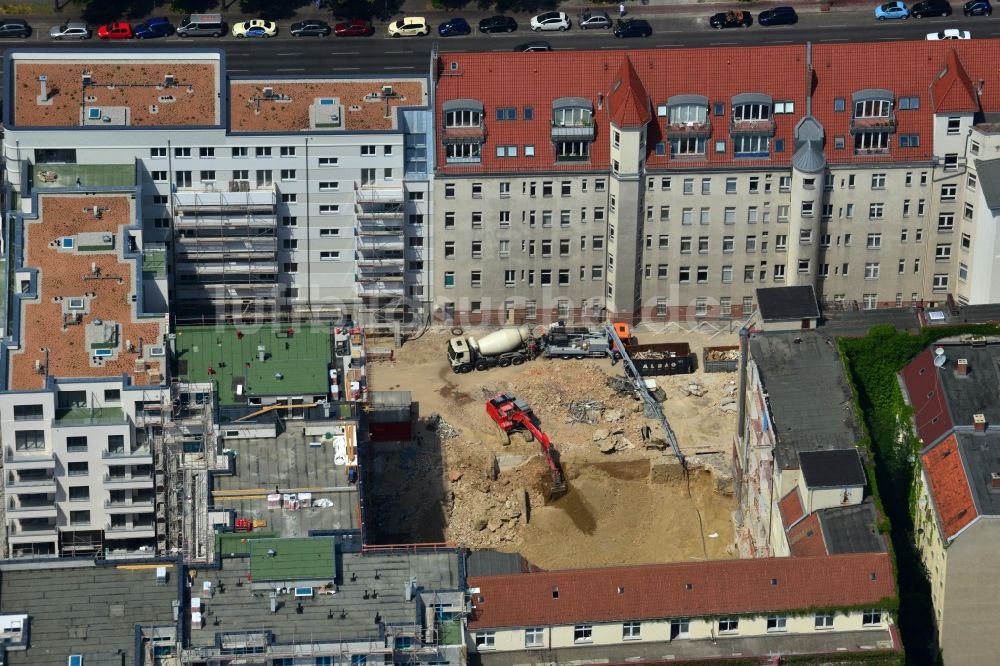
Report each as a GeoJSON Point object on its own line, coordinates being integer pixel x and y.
{"type": "Point", "coordinates": [852, 529]}
{"type": "Point", "coordinates": [290, 464]}
{"type": "Point", "coordinates": [346, 615]}
{"type": "Point", "coordinates": [989, 176]}
{"type": "Point", "coordinates": [92, 611]}
{"type": "Point", "coordinates": [857, 323]}
{"type": "Point", "coordinates": [810, 400]}
{"type": "Point", "coordinates": [787, 303]}
{"type": "Point", "coordinates": [978, 392]}
{"type": "Point", "coordinates": [832, 469]}
{"type": "Point", "coordinates": [980, 458]}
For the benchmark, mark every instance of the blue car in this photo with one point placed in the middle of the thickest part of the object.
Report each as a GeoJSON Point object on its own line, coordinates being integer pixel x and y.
{"type": "Point", "coordinates": [454, 28]}
{"type": "Point", "coordinates": [154, 27]}
{"type": "Point", "coordinates": [892, 10]}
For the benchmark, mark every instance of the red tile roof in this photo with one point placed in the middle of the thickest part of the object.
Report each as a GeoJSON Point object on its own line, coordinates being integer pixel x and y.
{"type": "Point", "coordinates": [661, 591]}
{"type": "Point", "coordinates": [926, 395]}
{"type": "Point", "coordinates": [953, 90]}
{"type": "Point", "coordinates": [907, 69]}
{"type": "Point", "coordinates": [806, 537]}
{"type": "Point", "coordinates": [949, 487]}
{"type": "Point", "coordinates": [628, 100]}
{"type": "Point", "coordinates": [790, 507]}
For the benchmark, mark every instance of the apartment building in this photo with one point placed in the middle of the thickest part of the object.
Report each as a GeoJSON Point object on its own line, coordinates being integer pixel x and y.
{"type": "Point", "coordinates": [82, 376]}
{"type": "Point", "coordinates": [953, 389]}
{"type": "Point", "coordinates": [687, 611]}
{"type": "Point", "coordinates": [270, 197]}
{"type": "Point", "coordinates": [652, 185]}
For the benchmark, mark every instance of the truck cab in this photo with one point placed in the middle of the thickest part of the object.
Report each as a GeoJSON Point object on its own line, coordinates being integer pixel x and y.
{"type": "Point", "coordinates": [459, 355]}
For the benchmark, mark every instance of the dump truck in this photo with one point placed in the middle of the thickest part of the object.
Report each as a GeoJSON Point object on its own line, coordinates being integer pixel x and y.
{"type": "Point", "coordinates": [664, 358]}
{"type": "Point", "coordinates": [575, 342]}
{"type": "Point", "coordinates": [508, 346]}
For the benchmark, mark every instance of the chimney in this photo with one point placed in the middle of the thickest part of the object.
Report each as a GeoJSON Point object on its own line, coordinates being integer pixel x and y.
{"type": "Point", "coordinates": [962, 367]}
{"type": "Point", "coordinates": [994, 481]}
{"type": "Point", "coordinates": [979, 422]}
{"type": "Point", "coordinates": [43, 83]}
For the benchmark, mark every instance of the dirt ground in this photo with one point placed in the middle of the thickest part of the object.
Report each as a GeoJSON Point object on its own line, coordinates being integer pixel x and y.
{"type": "Point", "coordinates": [618, 508]}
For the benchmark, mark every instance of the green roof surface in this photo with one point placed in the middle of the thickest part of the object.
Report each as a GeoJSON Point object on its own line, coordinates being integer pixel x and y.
{"type": "Point", "coordinates": [312, 558]}
{"type": "Point", "coordinates": [301, 360]}
{"type": "Point", "coordinates": [47, 176]}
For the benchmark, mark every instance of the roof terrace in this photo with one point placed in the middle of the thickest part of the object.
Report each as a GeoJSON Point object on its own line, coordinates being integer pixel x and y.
{"type": "Point", "coordinates": [81, 320]}
{"type": "Point", "coordinates": [290, 105]}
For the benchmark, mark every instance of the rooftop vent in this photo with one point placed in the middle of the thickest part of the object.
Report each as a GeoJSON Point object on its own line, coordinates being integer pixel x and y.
{"type": "Point", "coordinates": [86, 79]}
{"type": "Point", "coordinates": [995, 480]}
{"type": "Point", "coordinates": [168, 80]}
{"type": "Point", "coordinates": [268, 92]}
{"type": "Point", "coordinates": [979, 422]}
{"type": "Point", "coordinates": [387, 91]}
{"type": "Point", "coordinates": [621, 590]}
{"type": "Point", "coordinates": [962, 367]}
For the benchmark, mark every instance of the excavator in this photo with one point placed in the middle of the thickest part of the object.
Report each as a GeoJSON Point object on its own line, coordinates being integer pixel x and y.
{"type": "Point", "coordinates": [513, 415]}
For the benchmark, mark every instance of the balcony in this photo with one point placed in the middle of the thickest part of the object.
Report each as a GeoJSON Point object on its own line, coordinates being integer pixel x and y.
{"type": "Point", "coordinates": [129, 506]}
{"type": "Point", "coordinates": [582, 131]}
{"type": "Point", "coordinates": [129, 481]}
{"type": "Point", "coordinates": [763, 127]}
{"type": "Point", "coordinates": [383, 193]}
{"type": "Point", "coordinates": [381, 289]}
{"type": "Point", "coordinates": [210, 267]}
{"type": "Point", "coordinates": [28, 527]}
{"type": "Point", "coordinates": [380, 243]}
{"type": "Point", "coordinates": [473, 134]}
{"type": "Point", "coordinates": [32, 486]}
{"type": "Point", "coordinates": [32, 459]}
{"type": "Point", "coordinates": [89, 416]}
{"type": "Point", "coordinates": [29, 507]}
{"type": "Point", "coordinates": [208, 198]}
{"type": "Point", "coordinates": [873, 124]}
{"type": "Point", "coordinates": [700, 130]}
{"type": "Point", "coordinates": [378, 210]}
{"type": "Point", "coordinates": [260, 247]}
{"type": "Point", "coordinates": [393, 225]}
{"type": "Point", "coordinates": [133, 531]}
{"type": "Point", "coordinates": [139, 456]}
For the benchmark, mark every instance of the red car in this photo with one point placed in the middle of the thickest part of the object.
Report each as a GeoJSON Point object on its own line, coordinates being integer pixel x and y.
{"type": "Point", "coordinates": [354, 28]}
{"type": "Point", "coordinates": [116, 30]}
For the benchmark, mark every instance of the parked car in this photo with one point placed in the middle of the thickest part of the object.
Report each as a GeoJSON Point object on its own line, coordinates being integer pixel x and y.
{"type": "Point", "coordinates": [590, 20]}
{"type": "Point", "coordinates": [977, 8]}
{"type": "Point", "coordinates": [630, 27]}
{"type": "Point", "coordinates": [778, 16]}
{"type": "Point", "coordinates": [201, 25]}
{"type": "Point", "coordinates": [310, 28]}
{"type": "Point", "coordinates": [14, 28]}
{"type": "Point", "coordinates": [154, 27]}
{"type": "Point", "coordinates": [116, 30]}
{"type": "Point", "coordinates": [255, 28]}
{"type": "Point", "coordinates": [454, 27]}
{"type": "Point", "coordinates": [410, 26]}
{"type": "Point", "coordinates": [931, 8]}
{"type": "Point", "coordinates": [736, 19]}
{"type": "Point", "coordinates": [892, 10]}
{"type": "Point", "coordinates": [550, 21]}
{"type": "Point", "coordinates": [354, 28]}
{"type": "Point", "coordinates": [533, 46]}
{"type": "Point", "coordinates": [950, 33]}
{"type": "Point", "coordinates": [70, 30]}
{"type": "Point", "coordinates": [498, 24]}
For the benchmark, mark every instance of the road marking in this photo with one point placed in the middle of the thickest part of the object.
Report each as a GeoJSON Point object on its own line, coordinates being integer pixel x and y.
{"type": "Point", "coordinates": [781, 41]}
{"type": "Point", "coordinates": [397, 68]}
{"type": "Point", "coordinates": [397, 52]}
{"type": "Point", "coordinates": [839, 25]}
{"type": "Point", "coordinates": [345, 69]}
{"type": "Point", "coordinates": [294, 69]}
{"type": "Point", "coordinates": [835, 39]}
{"type": "Point", "coordinates": [345, 53]}
{"type": "Point", "coordinates": [288, 54]}
{"type": "Point", "coordinates": [670, 32]}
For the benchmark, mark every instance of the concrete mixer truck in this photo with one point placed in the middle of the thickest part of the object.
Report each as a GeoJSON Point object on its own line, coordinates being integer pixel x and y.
{"type": "Point", "coordinates": [508, 346]}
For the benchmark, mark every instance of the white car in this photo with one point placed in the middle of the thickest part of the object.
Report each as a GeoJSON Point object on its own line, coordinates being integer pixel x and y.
{"type": "Point", "coordinates": [550, 21]}
{"type": "Point", "coordinates": [409, 27]}
{"type": "Point", "coordinates": [255, 28]}
{"type": "Point", "coordinates": [950, 33]}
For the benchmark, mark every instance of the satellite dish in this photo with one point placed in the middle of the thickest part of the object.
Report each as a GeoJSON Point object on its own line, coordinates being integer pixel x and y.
{"type": "Point", "coordinates": [940, 359]}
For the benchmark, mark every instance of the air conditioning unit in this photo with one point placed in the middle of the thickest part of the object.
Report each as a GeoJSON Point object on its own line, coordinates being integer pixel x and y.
{"type": "Point", "coordinates": [386, 91]}
{"type": "Point", "coordinates": [156, 351]}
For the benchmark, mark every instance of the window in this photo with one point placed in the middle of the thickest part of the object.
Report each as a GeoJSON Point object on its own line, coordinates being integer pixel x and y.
{"type": "Point", "coordinates": [727, 274]}
{"type": "Point", "coordinates": [449, 249]}
{"type": "Point", "coordinates": [704, 216]}
{"type": "Point", "coordinates": [685, 245]}
{"type": "Point", "coordinates": [289, 221]}
{"type": "Point", "coordinates": [680, 628]}
{"type": "Point", "coordinates": [76, 444]}
{"type": "Point", "coordinates": [729, 625]}
{"type": "Point", "coordinates": [329, 186]}
{"type": "Point", "coordinates": [728, 215]}
{"type": "Point", "coordinates": [449, 282]}
{"type": "Point", "coordinates": [784, 107]}
{"type": "Point", "coordinates": [564, 277]}
{"type": "Point", "coordinates": [751, 145]}
{"type": "Point", "coordinates": [963, 271]}
{"type": "Point", "coordinates": [781, 242]}
{"type": "Point", "coordinates": [946, 222]}
{"type": "Point", "coordinates": [329, 209]}
{"type": "Point", "coordinates": [823, 621]}
{"type": "Point", "coordinates": [871, 618]}
{"type": "Point", "coordinates": [969, 212]}
{"type": "Point", "coordinates": [631, 631]}
{"type": "Point", "coordinates": [597, 243]}
{"type": "Point", "coordinates": [485, 639]}
{"type": "Point", "coordinates": [329, 255]}
{"type": "Point", "coordinates": [534, 637]}
{"type": "Point", "coordinates": [157, 153]}
{"type": "Point", "coordinates": [158, 176]}
{"type": "Point", "coordinates": [703, 245]}
{"type": "Point", "coordinates": [583, 633]}
{"type": "Point", "coordinates": [506, 113]}
{"type": "Point", "coordinates": [463, 152]}
{"type": "Point", "coordinates": [875, 211]}
{"type": "Point", "coordinates": [662, 271]}
{"type": "Point", "coordinates": [290, 243]}
{"type": "Point", "coordinates": [79, 493]}
{"type": "Point", "coordinates": [779, 272]}
{"type": "Point", "coordinates": [684, 274]}
{"type": "Point", "coordinates": [290, 267]}
{"type": "Point", "coordinates": [545, 277]}
{"type": "Point", "coordinates": [909, 140]}
{"type": "Point", "coordinates": [238, 152]}
{"type": "Point", "coordinates": [942, 252]}
{"type": "Point", "coordinates": [182, 152]}
{"type": "Point", "coordinates": [939, 282]}
{"type": "Point", "coordinates": [506, 151]}
{"type": "Point", "coordinates": [504, 219]}
{"type": "Point", "coordinates": [878, 181]}
{"type": "Point", "coordinates": [918, 235]}
{"type": "Point", "coordinates": [28, 412]}
{"type": "Point", "coordinates": [287, 197]}
{"type": "Point", "coordinates": [264, 177]}
{"type": "Point", "coordinates": [681, 146]}
{"type": "Point", "coordinates": [902, 267]}
{"type": "Point", "coordinates": [874, 241]}
{"type": "Point", "coordinates": [664, 213]}
{"type": "Point", "coordinates": [702, 274]}
{"type": "Point", "coordinates": [207, 176]}
{"type": "Point", "coordinates": [966, 241]}
{"type": "Point", "coordinates": [509, 278]}
{"type": "Point", "coordinates": [970, 181]}
{"type": "Point", "coordinates": [77, 469]}
{"type": "Point", "coordinates": [79, 517]}
{"type": "Point", "coordinates": [954, 126]}
{"type": "Point", "coordinates": [777, 623]}
{"type": "Point", "coordinates": [29, 440]}
{"type": "Point", "coordinates": [871, 270]}
{"type": "Point", "coordinates": [751, 243]}
{"type": "Point", "coordinates": [807, 208]}
{"type": "Point", "coordinates": [730, 186]}
{"type": "Point", "coordinates": [784, 183]}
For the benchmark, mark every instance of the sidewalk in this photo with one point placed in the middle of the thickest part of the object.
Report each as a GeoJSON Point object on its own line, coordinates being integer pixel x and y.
{"type": "Point", "coordinates": [45, 15]}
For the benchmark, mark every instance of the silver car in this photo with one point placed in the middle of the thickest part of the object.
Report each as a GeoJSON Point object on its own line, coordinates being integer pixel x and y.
{"type": "Point", "coordinates": [70, 30]}
{"type": "Point", "coordinates": [593, 20]}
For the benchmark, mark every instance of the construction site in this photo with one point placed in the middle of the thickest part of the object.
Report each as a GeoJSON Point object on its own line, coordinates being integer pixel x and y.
{"type": "Point", "coordinates": [628, 498]}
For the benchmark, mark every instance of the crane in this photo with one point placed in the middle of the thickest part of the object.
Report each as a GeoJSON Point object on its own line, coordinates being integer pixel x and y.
{"type": "Point", "coordinates": [511, 414]}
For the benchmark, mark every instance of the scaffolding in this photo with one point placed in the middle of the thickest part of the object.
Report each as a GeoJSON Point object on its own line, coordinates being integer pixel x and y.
{"type": "Point", "coordinates": [379, 209]}
{"type": "Point", "coordinates": [226, 250]}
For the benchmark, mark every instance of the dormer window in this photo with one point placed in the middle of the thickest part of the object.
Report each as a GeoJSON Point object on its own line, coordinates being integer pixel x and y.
{"type": "Point", "coordinates": [751, 112]}
{"type": "Point", "coordinates": [688, 124]}
{"type": "Point", "coordinates": [873, 121]}
{"type": "Point", "coordinates": [572, 128]}
{"type": "Point", "coordinates": [752, 125]}
{"type": "Point", "coordinates": [463, 130]}
{"type": "Point", "coordinates": [872, 108]}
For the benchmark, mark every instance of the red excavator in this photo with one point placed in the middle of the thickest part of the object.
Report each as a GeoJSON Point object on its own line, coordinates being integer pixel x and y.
{"type": "Point", "coordinates": [510, 415]}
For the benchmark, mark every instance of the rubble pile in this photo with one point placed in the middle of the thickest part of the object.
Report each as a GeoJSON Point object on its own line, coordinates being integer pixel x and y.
{"type": "Point", "coordinates": [722, 354]}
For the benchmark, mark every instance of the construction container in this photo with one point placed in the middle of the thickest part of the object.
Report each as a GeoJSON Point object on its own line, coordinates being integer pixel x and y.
{"type": "Point", "coordinates": [664, 358]}
{"type": "Point", "coordinates": [721, 359]}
